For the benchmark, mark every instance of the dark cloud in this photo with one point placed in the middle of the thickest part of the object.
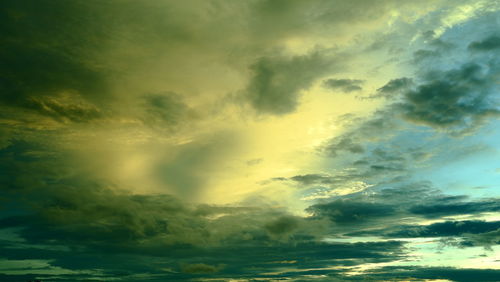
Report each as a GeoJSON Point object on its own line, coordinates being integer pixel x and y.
{"type": "Point", "coordinates": [486, 239]}
{"type": "Point", "coordinates": [274, 20]}
{"type": "Point", "coordinates": [458, 100]}
{"type": "Point", "coordinates": [394, 86]}
{"type": "Point", "coordinates": [384, 159]}
{"type": "Point", "coordinates": [487, 44]}
{"type": "Point", "coordinates": [200, 268]}
{"type": "Point", "coordinates": [350, 211]}
{"type": "Point", "coordinates": [79, 210]}
{"type": "Point", "coordinates": [450, 206]}
{"type": "Point", "coordinates": [165, 110]}
{"type": "Point", "coordinates": [78, 223]}
{"type": "Point", "coordinates": [71, 72]}
{"type": "Point", "coordinates": [379, 162]}
{"type": "Point", "coordinates": [405, 273]}
{"type": "Point", "coordinates": [19, 277]}
{"type": "Point", "coordinates": [346, 144]}
{"type": "Point", "coordinates": [282, 225]}
{"type": "Point", "coordinates": [61, 62]}
{"type": "Point", "coordinates": [428, 35]}
{"type": "Point", "coordinates": [246, 258]}
{"type": "Point", "coordinates": [345, 85]}
{"type": "Point", "coordinates": [371, 152]}
{"type": "Point", "coordinates": [258, 259]}
{"type": "Point", "coordinates": [384, 168]}
{"type": "Point", "coordinates": [387, 273]}
{"type": "Point", "coordinates": [379, 212]}
{"type": "Point", "coordinates": [277, 81]}
{"type": "Point", "coordinates": [124, 234]}
{"type": "Point", "coordinates": [361, 133]}
{"type": "Point", "coordinates": [307, 179]}
{"type": "Point", "coordinates": [66, 107]}
{"type": "Point", "coordinates": [448, 228]}
{"type": "Point", "coordinates": [42, 58]}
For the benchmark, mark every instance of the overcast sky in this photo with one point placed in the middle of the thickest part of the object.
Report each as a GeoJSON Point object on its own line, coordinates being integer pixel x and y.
{"type": "Point", "coordinates": [261, 140]}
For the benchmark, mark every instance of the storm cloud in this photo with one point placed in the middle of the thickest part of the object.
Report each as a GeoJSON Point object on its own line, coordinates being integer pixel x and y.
{"type": "Point", "coordinates": [204, 140]}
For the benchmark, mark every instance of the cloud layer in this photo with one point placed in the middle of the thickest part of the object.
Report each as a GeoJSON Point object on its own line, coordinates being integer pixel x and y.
{"type": "Point", "coordinates": [265, 140]}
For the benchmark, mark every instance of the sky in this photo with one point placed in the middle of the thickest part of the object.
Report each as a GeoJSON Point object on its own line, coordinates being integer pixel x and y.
{"type": "Point", "coordinates": [259, 140]}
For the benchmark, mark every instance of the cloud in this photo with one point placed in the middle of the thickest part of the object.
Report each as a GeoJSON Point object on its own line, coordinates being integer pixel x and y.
{"type": "Point", "coordinates": [402, 273]}
{"type": "Point", "coordinates": [59, 210]}
{"type": "Point", "coordinates": [308, 179]}
{"type": "Point", "coordinates": [345, 85]}
{"type": "Point", "coordinates": [347, 211]}
{"type": "Point", "coordinates": [394, 86]}
{"type": "Point", "coordinates": [184, 169]}
{"type": "Point", "coordinates": [452, 206]}
{"type": "Point", "coordinates": [282, 225]}
{"type": "Point", "coordinates": [42, 59]}
{"type": "Point", "coordinates": [165, 110]}
{"type": "Point", "coordinates": [447, 228]}
{"type": "Point", "coordinates": [277, 82]}
{"type": "Point", "coordinates": [422, 55]}
{"type": "Point", "coordinates": [65, 107]}
{"type": "Point", "coordinates": [486, 239]}
{"type": "Point", "coordinates": [200, 268]}
{"type": "Point", "coordinates": [281, 20]}
{"type": "Point", "coordinates": [344, 143]}
{"type": "Point", "coordinates": [380, 211]}
{"type": "Point", "coordinates": [487, 44]}
{"type": "Point", "coordinates": [457, 100]}
{"type": "Point", "coordinates": [371, 151]}
{"type": "Point", "coordinates": [143, 95]}
{"type": "Point", "coordinates": [124, 234]}
{"type": "Point", "coordinates": [361, 132]}
{"type": "Point", "coordinates": [387, 160]}
{"type": "Point", "coordinates": [58, 205]}
{"type": "Point", "coordinates": [335, 180]}
{"type": "Point", "coordinates": [324, 186]}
